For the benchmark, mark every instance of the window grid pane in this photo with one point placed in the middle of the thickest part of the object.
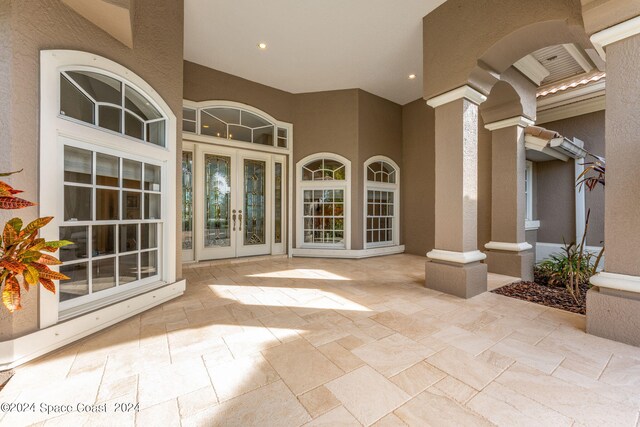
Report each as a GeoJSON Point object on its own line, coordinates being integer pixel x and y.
{"type": "Point", "coordinates": [122, 248]}
{"type": "Point", "coordinates": [323, 216]}
{"type": "Point", "coordinates": [380, 216]}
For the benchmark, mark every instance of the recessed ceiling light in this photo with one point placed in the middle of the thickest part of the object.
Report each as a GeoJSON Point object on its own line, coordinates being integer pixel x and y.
{"type": "Point", "coordinates": [262, 46]}
{"type": "Point", "coordinates": [412, 76]}
{"type": "Point", "coordinates": [205, 126]}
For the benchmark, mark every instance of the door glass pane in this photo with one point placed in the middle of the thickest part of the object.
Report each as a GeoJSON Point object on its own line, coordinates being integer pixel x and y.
{"type": "Point", "coordinates": [187, 200]}
{"type": "Point", "coordinates": [278, 204]}
{"type": "Point", "coordinates": [217, 195]}
{"type": "Point", "coordinates": [254, 202]}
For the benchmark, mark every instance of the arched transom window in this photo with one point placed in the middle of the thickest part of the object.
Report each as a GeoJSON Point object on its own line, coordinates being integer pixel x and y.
{"type": "Point", "coordinates": [324, 183]}
{"type": "Point", "coordinates": [232, 121]}
{"type": "Point", "coordinates": [109, 103]}
{"type": "Point", "coordinates": [381, 211]}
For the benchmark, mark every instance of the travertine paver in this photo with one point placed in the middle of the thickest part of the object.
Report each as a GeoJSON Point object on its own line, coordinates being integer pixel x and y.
{"type": "Point", "coordinates": [332, 342]}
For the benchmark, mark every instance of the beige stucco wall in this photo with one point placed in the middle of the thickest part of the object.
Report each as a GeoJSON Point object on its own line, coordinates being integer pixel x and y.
{"type": "Point", "coordinates": [379, 134]}
{"type": "Point", "coordinates": [484, 185]}
{"type": "Point", "coordinates": [601, 14]}
{"type": "Point", "coordinates": [497, 32]}
{"type": "Point", "coordinates": [49, 24]}
{"type": "Point", "coordinates": [203, 84]}
{"type": "Point", "coordinates": [418, 177]}
{"type": "Point", "coordinates": [555, 191]}
{"type": "Point", "coordinates": [352, 123]}
{"type": "Point", "coordinates": [622, 228]}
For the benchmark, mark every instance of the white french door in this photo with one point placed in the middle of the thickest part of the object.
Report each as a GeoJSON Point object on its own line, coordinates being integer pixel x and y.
{"type": "Point", "coordinates": [234, 202]}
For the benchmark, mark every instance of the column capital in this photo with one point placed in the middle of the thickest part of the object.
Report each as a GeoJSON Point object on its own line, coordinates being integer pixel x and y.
{"type": "Point", "coordinates": [509, 247]}
{"type": "Point", "coordinates": [513, 121]}
{"type": "Point", "coordinates": [456, 257]}
{"type": "Point", "coordinates": [614, 34]}
{"type": "Point", "coordinates": [466, 92]}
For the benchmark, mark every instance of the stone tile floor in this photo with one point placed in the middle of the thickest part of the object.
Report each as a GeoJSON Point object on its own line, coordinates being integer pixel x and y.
{"type": "Point", "coordinates": [335, 342]}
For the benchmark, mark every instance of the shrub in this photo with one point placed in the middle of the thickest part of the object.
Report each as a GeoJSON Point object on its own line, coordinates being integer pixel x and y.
{"type": "Point", "coordinates": [22, 257]}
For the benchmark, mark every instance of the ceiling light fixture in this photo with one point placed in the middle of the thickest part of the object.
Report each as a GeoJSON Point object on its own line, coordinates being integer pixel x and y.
{"type": "Point", "coordinates": [412, 76]}
{"type": "Point", "coordinates": [262, 46]}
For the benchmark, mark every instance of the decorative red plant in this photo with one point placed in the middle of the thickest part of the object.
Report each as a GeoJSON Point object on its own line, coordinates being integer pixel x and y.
{"type": "Point", "coordinates": [22, 260]}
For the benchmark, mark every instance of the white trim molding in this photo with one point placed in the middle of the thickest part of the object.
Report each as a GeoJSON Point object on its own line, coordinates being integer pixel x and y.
{"type": "Point", "coordinates": [456, 257]}
{"type": "Point", "coordinates": [509, 247]}
{"type": "Point", "coordinates": [530, 225]}
{"type": "Point", "coordinates": [465, 91]}
{"type": "Point", "coordinates": [620, 282]}
{"type": "Point", "coordinates": [532, 68]}
{"type": "Point", "coordinates": [574, 109]}
{"type": "Point", "coordinates": [614, 34]}
{"type": "Point", "coordinates": [348, 253]}
{"type": "Point", "coordinates": [513, 121]}
{"type": "Point", "coordinates": [23, 349]}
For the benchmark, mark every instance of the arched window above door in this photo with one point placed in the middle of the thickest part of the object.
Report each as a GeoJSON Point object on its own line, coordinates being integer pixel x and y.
{"type": "Point", "coordinates": [382, 191]}
{"type": "Point", "coordinates": [233, 121]}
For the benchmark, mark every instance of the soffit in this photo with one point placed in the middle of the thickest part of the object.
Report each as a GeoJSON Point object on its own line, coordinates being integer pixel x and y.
{"type": "Point", "coordinates": [313, 46]}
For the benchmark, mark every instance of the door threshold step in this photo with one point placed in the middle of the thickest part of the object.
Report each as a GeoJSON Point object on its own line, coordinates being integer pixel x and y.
{"type": "Point", "coordinates": [232, 261]}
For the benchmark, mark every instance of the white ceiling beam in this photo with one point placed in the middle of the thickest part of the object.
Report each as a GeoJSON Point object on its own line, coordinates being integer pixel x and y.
{"type": "Point", "coordinates": [576, 53]}
{"type": "Point", "coordinates": [532, 69]}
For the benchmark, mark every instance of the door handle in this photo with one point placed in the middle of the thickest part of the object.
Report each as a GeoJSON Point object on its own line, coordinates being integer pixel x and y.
{"type": "Point", "coordinates": [240, 218]}
{"type": "Point", "coordinates": [233, 217]}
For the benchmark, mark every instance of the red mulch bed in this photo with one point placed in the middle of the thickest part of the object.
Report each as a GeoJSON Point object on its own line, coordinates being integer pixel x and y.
{"type": "Point", "coordinates": [550, 296]}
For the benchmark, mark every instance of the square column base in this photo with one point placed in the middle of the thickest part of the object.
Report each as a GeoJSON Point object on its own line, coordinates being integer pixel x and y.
{"type": "Point", "coordinates": [461, 280]}
{"type": "Point", "coordinates": [614, 315]}
{"type": "Point", "coordinates": [515, 264]}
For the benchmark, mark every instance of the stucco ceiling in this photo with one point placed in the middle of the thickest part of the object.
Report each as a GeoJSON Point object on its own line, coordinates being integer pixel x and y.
{"type": "Point", "coordinates": [313, 45]}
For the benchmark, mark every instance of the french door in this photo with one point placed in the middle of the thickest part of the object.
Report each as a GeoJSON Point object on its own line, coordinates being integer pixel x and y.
{"type": "Point", "coordinates": [234, 202]}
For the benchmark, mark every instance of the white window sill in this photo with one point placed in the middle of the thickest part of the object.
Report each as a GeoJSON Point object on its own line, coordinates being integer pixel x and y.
{"type": "Point", "coordinates": [531, 225]}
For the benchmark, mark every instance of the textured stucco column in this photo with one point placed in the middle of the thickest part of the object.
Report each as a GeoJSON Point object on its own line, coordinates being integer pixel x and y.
{"type": "Point", "coordinates": [508, 251]}
{"type": "Point", "coordinates": [454, 266]}
{"type": "Point", "coordinates": [613, 304]}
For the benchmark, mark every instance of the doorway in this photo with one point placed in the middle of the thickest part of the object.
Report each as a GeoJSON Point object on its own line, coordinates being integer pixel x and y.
{"type": "Point", "coordinates": [233, 203]}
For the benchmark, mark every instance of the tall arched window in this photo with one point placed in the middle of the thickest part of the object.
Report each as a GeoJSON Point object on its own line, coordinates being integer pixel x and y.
{"type": "Point", "coordinates": [108, 157]}
{"type": "Point", "coordinates": [382, 190]}
{"type": "Point", "coordinates": [323, 207]}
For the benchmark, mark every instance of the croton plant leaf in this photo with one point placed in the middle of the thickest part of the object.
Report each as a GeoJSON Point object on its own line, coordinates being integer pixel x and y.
{"type": "Point", "coordinates": [22, 261]}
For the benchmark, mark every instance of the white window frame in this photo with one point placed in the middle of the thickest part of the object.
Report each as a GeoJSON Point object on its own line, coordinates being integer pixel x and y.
{"type": "Point", "coordinates": [530, 223]}
{"type": "Point", "coordinates": [382, 186]}
{"type": "Point", "coordinates": [344, 185]}
{"type": "Point", "coordinates": [198, 137]}
{"type": "Point", "coordinates": [57, 130]}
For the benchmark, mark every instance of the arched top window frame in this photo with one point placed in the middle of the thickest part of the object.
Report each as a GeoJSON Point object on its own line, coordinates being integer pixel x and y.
{"type": "Point", "coordinates": [192, 126]}
{"type": "Point", "coordinates": [57, 131]}
{"type": "Point", "coordinates": [343, 184]}
{"type": "Point", "coordinates": [385, 187]}
{"type": "Point", "coordinates": [138, 85]}
{"type": "Point", "coordinates": [395, 172]}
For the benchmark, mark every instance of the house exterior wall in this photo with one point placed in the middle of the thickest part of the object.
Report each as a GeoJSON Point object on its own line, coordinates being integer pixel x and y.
{"type": "Point", "coordinates": [379, 134]}
{"type": "Point", "coordinates": [32, 26]}
{"type": "Point", "coordinates": [352, 123]}
{"type": "Point", "coordinates": [555, 185]}
{"type": "Point", "coordinates": [418, 177]}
